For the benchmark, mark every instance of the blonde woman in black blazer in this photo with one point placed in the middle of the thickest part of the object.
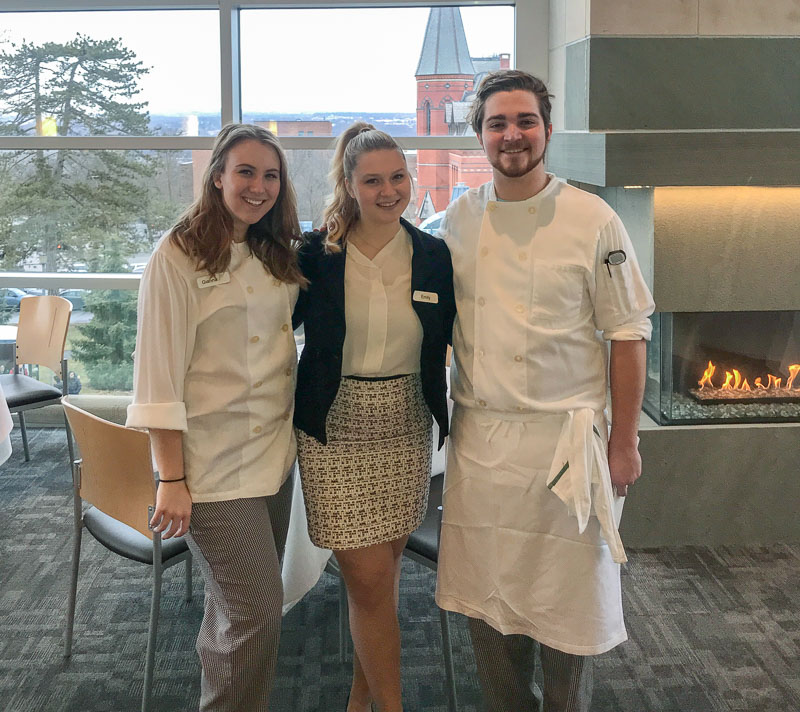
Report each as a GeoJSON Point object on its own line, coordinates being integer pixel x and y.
{"type": "Point", "coordinates": [378, 315]}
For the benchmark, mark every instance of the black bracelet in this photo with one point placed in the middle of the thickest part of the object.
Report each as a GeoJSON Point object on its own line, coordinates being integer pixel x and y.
{"type": "Point", "coordinates": [180, 479]}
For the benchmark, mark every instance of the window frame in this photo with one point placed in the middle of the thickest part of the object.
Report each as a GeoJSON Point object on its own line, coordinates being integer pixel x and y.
{"type": "Point", "coordinates": [531, 31]}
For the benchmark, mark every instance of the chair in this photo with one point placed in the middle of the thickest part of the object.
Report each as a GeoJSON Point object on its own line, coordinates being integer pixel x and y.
{"type": "Point", "coordinates": [115, 476]}
{"type": "Point", "coordinates": [41, 335]}
{"type": "Point", "coordinates": [423, 547]}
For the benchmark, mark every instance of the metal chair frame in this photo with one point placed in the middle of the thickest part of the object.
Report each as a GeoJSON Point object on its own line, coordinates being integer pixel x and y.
{"type": "Point", "coordinates": [159, 565]}
{"type": "Point", "coordinates": [43, 329]}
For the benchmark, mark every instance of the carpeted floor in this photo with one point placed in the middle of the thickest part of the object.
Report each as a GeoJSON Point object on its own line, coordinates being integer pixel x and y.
{"type": "Point", "coordinates": [710, 629]}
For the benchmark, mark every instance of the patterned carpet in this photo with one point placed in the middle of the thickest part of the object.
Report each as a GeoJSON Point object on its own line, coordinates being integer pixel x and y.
{"type": "Point", "coordinates": [710, 629]}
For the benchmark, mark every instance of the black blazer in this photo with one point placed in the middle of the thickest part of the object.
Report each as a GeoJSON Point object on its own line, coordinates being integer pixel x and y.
{"type": "Point", "coordinates": [321, 309]}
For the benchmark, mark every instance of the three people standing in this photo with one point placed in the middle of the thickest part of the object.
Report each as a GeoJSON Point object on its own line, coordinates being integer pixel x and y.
{"type": "Point", "coordinates": [543, 275]}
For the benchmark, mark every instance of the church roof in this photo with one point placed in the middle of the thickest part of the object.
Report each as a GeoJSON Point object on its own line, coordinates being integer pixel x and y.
{"type": "Point", "coordinates": [444, 49]}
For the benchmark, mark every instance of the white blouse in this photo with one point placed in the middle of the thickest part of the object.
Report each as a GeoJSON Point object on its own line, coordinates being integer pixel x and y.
{"type": "Point", "coordinates": [215, 358]}
{"type": "Point", "coordinates": [384, 334]}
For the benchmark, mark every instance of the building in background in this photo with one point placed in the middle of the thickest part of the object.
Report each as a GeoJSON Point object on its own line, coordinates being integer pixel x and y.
{"type": "Point", "coordinates": [446, 78]}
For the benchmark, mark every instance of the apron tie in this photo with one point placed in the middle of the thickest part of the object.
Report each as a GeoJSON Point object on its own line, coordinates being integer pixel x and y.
{"type": "Point", "coordinates": [580, 477]}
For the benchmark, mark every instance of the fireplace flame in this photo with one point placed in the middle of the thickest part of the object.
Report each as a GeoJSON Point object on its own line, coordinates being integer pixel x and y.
{"type": "Point", "coordinates": [735, 381]}
{"type": "Point", "coordinates": [707, 376]}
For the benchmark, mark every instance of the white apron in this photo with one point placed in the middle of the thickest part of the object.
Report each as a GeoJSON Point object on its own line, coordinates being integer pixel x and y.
{"type": "Point", "coordinates": [511, 553]}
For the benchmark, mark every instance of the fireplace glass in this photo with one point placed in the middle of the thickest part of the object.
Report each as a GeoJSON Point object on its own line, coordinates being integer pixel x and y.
{"type": "Point", "coordinates": [724, 367]}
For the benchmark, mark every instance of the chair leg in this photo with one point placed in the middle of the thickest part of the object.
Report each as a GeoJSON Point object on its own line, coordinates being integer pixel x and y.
{"type": "Point", "coordinates": [70, 446]}
{"type": "Point", "coordinates": [447, 649]}
{"type": "Point", "coordinates": [155, 607]}
{"type": "Point", "coordinates": [73, 586]}
{"type": "Point", "coordinates": [344, 620]}
{"type": "Point", "coordinates": [24, 432]}
{"type": "Point", "coordinates": [188, 564]}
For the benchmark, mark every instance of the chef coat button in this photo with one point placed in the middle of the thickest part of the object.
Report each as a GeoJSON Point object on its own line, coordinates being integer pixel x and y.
{"type": "Point", "coordinates": [481, 353]}
{"type": "Point", "coordinates": [285, 327]}
{"type": "Point", "coordinates": [254, 339]}
{"type": "Point", "coordinates": [257, 429]}
{"type": "Point", "coordinates": [258, 384]}
{"type": "Point", "coordinates": [520, 407]}
{"type": "Point", "coordinates": [288, 371]}
{"type": "Point", "coordinates": [484, 251]}
{"type": "Point", "coordinates": [491, 206]}
{"type": "Point", "coordinates": [518, 358]}
{"type": "Point", "coordinates": [481, 301]}
{"type": "Point", "coordinates": [276, 283]}
{"type": "Point", "coordinates": [532, 210]}
{"type": "Point", "coordinates": [519, 308]}
{"type": "Point", "coordinates": [482, 403]}
{"type": "Point", "coordinates": [286, 416]}
{"type": "Point", "coordinates": [523, 256]}
{"type": "Point", "coordinates": [249, 290]}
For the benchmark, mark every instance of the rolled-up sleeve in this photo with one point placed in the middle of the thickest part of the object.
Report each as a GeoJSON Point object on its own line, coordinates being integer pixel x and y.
{"type": "Point", "coordinates": [622, 300]}
{"type": "Point", "coordinates": [164, 343]}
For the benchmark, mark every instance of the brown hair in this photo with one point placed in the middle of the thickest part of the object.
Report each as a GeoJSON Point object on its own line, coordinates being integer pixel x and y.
{"type": "Point", "coordinates": [508, 80]}
{"type": "Point", "coordinates": [205, 230]}
{"type": "Point", "coordinates": [342, 214]}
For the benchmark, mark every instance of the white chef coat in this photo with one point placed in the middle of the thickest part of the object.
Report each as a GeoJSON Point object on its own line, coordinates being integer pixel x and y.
{"type": "Point", "coordinates": [384, 334]}
{"type": "Point", "coordinates": [521, 547]}
{"type": "Point", "coordinates": [215, 358]}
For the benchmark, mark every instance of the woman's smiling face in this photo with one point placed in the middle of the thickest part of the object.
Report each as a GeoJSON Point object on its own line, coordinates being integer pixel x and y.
{"type": "Point", "coordinates": [250, 184]}
{"type": "Point", "coordinates": [381, 186]}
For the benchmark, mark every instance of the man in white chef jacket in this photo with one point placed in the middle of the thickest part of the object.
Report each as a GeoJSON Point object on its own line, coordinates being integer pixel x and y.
{"type": "Point", "coordinates": [545, 275]}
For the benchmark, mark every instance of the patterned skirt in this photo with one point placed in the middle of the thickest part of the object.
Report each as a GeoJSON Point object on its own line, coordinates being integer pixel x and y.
{"type": "Point", "coordinates": [370, 483]}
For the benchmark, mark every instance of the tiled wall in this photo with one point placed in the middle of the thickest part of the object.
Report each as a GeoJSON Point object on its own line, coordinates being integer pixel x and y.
{"type": "Point", "coordinates": [577, 22]}
{"type": "Point", "coordinates": [704, 18]}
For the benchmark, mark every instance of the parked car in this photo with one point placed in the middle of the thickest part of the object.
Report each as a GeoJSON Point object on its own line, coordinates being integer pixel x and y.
{"type": "Point", "coordinates": [432, 223]}
{"type": "Point", "coordinates": [75, 296]}
{"type": "Point", "coordinates": [10, 297]}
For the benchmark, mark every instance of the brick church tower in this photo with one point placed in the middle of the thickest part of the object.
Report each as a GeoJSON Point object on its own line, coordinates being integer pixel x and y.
{"type": "Point", "coordinates": [444, 73]}
{"type": "Point", "coordinates": [446, 76]}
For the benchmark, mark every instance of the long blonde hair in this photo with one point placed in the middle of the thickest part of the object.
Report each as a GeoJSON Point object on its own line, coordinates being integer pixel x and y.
{"type": "Point", "coordinates": [342, 212]}
{"type": "Point", "coordinates": [205, 230]}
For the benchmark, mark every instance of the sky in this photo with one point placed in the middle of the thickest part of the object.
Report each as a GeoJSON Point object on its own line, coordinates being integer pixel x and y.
{"type": "Point", "coordinates": [293, 61]}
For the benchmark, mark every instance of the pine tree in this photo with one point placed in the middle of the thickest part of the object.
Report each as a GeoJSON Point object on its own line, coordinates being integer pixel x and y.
{"type": "Point", "coordinates": [69, 206]}
{"type": "Point", "coordinates": [60, 204]}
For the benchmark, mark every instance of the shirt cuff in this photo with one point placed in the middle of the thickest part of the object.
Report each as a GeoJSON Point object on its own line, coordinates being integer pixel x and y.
{"type": "Point", "coordinates": [630, 332]}
{"type": "Point", "coordinates": [163, 416]}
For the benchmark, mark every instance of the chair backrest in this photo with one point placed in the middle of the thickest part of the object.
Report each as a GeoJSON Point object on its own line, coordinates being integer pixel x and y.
{"type": "Point", "coordinates": [116, 468]}
{"type": "Point", "coordinates": [42, 331]}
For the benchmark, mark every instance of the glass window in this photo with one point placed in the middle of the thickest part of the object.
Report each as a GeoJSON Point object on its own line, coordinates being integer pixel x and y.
{"type": "Point", "coordinates": [110, 73]}
{"type": "Point", "coordinates": [343, 69]}
{"type": "Point", "coordinates": [90, 211]}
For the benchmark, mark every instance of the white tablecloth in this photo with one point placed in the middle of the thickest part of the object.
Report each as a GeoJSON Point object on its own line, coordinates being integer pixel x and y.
{"type": "Point", "coordinates": [5, 429]}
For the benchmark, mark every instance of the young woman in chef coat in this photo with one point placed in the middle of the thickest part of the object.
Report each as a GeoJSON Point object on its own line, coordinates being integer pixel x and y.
{"type": "Point", "coordinates": [213, 383]}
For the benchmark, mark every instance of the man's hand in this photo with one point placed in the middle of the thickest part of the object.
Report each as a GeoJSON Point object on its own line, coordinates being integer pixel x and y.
{"type": "Point", "coordinates": [173, 509]}
{"type": "Point", "coordinates": [625, 464]}
{"type": "Point", "coordinates": [627, 373]}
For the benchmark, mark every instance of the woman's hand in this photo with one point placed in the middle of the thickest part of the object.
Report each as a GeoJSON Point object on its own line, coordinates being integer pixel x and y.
{"type": "Point", "coordinates": [173, 509]}
{"type": "Point", "coordinates": [173, 501]}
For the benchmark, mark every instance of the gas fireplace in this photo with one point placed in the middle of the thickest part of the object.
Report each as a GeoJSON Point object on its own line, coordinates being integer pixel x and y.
{"type": "Point", "coordinates": [724, 367]}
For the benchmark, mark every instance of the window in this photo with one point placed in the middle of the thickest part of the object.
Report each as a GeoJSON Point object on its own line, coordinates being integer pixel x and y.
{"type": "Point", "coordinates": [89, 185]}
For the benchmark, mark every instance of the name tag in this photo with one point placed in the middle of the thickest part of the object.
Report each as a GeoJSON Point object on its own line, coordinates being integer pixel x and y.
{"type": "Point", "coordinates": [430, 297]}
{"type": "Point", "coordinates": [213, 281]}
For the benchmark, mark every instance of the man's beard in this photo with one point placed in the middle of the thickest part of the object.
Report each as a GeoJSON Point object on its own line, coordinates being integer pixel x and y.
{"type": "Point", "coordinates": [518, 169]}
